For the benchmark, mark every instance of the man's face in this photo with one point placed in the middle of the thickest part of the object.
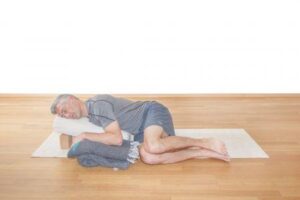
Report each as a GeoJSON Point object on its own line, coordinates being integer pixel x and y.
{"type": "Point", "coordinates": [69, 109]}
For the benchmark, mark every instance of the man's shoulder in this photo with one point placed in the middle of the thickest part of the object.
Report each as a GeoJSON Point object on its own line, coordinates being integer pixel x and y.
{"type": "Point", "coordinates": [100, 101]}
{"type": "Point", "coordinates": [100, 97]}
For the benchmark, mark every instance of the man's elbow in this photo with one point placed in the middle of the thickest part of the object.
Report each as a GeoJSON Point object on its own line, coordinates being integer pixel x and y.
{"type": "Point", "coordinates": [118, 139]}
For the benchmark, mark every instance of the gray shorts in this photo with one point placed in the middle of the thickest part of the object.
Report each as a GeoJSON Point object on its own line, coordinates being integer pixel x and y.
{"type": "Point", "coordinates": [156, 114]}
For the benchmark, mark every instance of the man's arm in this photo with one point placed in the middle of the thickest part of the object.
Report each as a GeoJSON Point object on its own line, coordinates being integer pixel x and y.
{"type": "Point", "coordinates": [111, 136]}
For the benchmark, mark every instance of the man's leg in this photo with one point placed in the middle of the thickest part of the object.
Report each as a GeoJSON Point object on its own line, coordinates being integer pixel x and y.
{"type": "Point", "coordinates": [181, 155]}
{"type": "Point", "coordinates": [156, 142]}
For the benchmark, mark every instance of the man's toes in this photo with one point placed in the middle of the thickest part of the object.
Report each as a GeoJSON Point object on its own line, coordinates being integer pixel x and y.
{"type": "Point", "coordinates": [226, 158]}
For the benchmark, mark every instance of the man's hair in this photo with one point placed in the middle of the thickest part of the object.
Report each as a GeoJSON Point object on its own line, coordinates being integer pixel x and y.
{"type": "Point", "coordinates": [62, 98]}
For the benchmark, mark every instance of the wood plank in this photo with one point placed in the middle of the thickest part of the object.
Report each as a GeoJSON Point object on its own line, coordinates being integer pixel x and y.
{"type": "Point", "coordinates": [271, 119]}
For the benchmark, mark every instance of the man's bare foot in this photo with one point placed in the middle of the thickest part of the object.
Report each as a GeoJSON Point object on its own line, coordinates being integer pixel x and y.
{"type": "Point", "coordinates": [214, 145]}
{"type": "Point", "coordinates": [203, 153]}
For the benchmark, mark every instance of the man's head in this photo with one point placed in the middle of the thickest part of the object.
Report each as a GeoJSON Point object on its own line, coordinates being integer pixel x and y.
{"type": "Point", "coordinates": [68, 106]}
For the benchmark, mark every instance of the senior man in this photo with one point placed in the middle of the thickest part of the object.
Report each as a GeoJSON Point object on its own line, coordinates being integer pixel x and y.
{"type": "Point", "coordinates": [149, 121]}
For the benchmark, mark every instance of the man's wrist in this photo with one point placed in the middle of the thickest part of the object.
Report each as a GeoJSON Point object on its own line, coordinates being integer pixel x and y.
{"type": "Point", "coordinates": [83, 135]}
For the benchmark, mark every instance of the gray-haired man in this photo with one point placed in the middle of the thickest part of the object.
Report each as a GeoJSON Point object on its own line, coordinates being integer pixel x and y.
{"type": "Point", "coordinates": [149, 121]}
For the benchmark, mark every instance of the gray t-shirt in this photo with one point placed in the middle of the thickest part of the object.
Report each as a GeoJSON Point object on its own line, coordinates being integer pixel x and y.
{"type": "Point", "coordinates": [104, 109]}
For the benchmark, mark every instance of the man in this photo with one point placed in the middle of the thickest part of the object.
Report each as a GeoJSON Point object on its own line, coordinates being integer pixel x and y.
{"type": "Point", "coordinates": [149, 121]}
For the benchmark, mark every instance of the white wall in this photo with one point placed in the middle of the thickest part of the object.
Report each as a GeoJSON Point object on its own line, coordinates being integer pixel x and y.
{"type": "Point", "coordinates": [155, 46]}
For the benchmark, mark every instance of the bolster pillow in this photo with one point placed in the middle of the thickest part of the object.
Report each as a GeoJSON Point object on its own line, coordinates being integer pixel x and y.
{"type": "Point", "coordinates": [74, 127]}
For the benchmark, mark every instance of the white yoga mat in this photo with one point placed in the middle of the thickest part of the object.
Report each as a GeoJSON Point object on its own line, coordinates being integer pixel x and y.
{"type": "Point", "coordinates": [239, 143]}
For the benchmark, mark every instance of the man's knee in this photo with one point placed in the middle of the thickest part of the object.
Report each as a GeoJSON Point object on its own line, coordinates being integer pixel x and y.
{"type": "Point", "coordinates": [148, 158]}
{"type": "Point", "coordinates": [153, 147]}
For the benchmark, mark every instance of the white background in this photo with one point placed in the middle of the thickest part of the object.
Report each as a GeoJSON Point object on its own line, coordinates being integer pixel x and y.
{"type": "Point", "coordinates": [155, 46]}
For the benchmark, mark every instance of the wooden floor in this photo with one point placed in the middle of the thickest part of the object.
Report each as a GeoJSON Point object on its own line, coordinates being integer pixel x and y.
{"type": "Point", "coordinates": [272, 120]}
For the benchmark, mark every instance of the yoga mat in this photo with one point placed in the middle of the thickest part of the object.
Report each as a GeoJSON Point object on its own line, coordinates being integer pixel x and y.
{"type": "Point", "coordinates": [238, 142]}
